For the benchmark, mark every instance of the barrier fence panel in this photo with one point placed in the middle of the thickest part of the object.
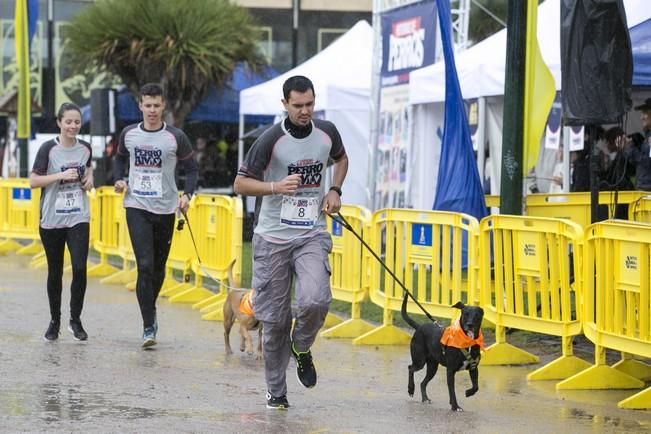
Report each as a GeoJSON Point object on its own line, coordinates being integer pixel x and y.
{"type": "Point", "coordinates": [576, 206]}
{"type": "Point", "coordinates": [531, 281]}
{"type": "Point", "coordinates": [434, 254]}
{"type": "Point", "coordinates": [129, 273]}
{"type": "Point", "coordinates": [617, 308]}
{"type": "Point", "coordinates": [640, 210]}
{"type": "Point", "coordinates": [19, 216]}
{"type": "Point", "coordinates": [105, 223]}
{"type": "Point", "coordinates": [349, 262]}
{"type": "Point", "coordinates": [216, 222]}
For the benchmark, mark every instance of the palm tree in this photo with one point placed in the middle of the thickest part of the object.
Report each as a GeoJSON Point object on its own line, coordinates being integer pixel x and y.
{"type": "Point", "coordinates": [184, 45]}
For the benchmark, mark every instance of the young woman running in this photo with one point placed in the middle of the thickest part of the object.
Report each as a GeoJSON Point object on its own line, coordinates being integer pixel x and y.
{"type": "Point", "coordinates": [62, 169]}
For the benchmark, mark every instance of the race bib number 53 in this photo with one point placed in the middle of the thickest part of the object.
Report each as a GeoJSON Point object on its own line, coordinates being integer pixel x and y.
{"type": "Point", "coordinates": [148, 184]}
{"type": "Point", "coordinates": [299, 212]}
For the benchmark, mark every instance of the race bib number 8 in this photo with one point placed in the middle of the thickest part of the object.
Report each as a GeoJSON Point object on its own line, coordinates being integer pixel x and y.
{"type": "Point", "coordinates": [68, 202]}
{"type": "Point", "coordinates": [299, 212]}
{"type": "Point", "coordinates": [148, 185]}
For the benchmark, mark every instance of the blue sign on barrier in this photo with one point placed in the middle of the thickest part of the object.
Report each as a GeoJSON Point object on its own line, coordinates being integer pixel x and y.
{"type": "Point", "coordinates": [18, 193]}
{"type": "Point", "coordinates": [421, 235]}
{"type": "Point", "coordinates": [337, 229]}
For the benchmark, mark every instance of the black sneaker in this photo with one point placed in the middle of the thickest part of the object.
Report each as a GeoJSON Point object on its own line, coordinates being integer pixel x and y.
{"type": "Point", "coordinates": [305, 371]}
{"type": "Point", "coordinates": [77, 330]}
{"type": "Point", "coordinates": [280, 403]}
{"type": "Point", "coordinates": [52, 333]}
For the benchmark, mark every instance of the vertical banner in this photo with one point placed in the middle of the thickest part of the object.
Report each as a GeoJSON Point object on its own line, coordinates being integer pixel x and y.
{"type": "Point", "coordinates": [21, 34]}
{"type": "Point", "coordinates": [408, 43]}
{"type": "Point", "coordinates": [553, 129]}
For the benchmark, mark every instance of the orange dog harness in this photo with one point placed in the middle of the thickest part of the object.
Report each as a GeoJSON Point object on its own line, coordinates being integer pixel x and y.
{"type": "Point", "coordinates": [454, 336]}
{"type": "Point", "coordinates": [246, 305]}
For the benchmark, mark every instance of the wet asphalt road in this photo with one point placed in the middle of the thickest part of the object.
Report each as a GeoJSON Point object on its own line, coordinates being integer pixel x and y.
{"type": "Point", "coordinates": [188, 384]}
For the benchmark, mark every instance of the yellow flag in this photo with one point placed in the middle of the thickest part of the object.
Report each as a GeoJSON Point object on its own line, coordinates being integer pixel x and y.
{"type": "Point", "coordinates": [539, 91]}
{"type": "Point", "coordinates": [22, 60]}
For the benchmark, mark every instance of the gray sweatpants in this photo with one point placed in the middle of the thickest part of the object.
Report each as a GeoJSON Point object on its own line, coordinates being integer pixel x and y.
{"type": "Point", "coordinates": [274, 266]}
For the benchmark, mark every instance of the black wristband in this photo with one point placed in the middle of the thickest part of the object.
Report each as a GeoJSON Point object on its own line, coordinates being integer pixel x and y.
{"type": "Point", "coordinates": [336, 189]}
{"type": "Point", "coordinates": [189, 195]}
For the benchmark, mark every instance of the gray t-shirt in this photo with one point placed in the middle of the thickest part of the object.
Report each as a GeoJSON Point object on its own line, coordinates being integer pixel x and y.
{"type": "Point", "coordinates": [64, 203]}
{"type": "Point", "coordinates": [275, 155]}
{"type": "Point", "coordinates": [152, 165]}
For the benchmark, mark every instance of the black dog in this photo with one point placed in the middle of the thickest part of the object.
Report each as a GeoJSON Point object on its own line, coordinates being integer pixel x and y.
{"type": "Point", "coordinates": [456, 347]}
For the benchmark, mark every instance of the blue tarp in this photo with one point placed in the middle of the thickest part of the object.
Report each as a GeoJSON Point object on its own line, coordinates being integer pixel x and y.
{"type": "Point", "coordinates": [217, 106]}
{"type": "Point", "coordinates": [641, 46]}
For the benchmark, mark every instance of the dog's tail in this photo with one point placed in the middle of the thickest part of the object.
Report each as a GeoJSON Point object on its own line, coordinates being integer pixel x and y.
{"type": "Point", "coordinates": [403, 310]}
{"type": "Point", "coordinates": [229, 270]}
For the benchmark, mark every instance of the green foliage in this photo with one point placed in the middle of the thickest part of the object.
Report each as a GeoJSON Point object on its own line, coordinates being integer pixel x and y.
{"type": "Point", "coordinates": [184, 45]}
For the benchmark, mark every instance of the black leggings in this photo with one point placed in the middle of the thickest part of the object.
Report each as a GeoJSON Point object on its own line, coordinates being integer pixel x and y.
{"type": "Point", "coordinates": [54, 242]}
{"type": "Point", "coordinates": [151, 238]}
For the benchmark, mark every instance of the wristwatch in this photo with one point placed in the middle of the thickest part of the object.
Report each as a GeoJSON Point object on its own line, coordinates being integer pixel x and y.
{"type": "Point", "coordinates": [336, 189]}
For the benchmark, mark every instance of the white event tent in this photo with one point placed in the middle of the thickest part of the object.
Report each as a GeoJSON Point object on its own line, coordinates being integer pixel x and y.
{"type": "Point", "coordinates": [481, 71]}
{"type": "Point", "coordinates": [341, 75]}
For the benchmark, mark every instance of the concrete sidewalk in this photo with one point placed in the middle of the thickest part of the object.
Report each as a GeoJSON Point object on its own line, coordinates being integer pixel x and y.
{"type": "Point", "coordinates": [188, 384]}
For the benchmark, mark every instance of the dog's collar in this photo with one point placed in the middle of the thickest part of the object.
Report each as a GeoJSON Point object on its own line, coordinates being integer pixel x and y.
{"type": "Point", "coordinates": [454, 336]}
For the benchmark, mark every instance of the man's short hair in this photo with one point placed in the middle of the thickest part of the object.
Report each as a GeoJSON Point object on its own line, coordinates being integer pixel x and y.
{"type": "Point", "coordinates": [151, 89]}
{"type": "Point", "coordinates": [297, 83]}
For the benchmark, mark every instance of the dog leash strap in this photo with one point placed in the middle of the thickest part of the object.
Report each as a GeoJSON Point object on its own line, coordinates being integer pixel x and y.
{"type": "Point", "coordinates": [342, 221]}
{"type": "Point", "coordinates": [196, 250]}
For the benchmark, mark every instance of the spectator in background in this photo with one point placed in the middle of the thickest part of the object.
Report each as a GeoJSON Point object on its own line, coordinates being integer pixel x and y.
{"type": "Point", "coordinates": [580, 160]}
{"type": "Point", "coordinates": [206, 157]}
{"type": "Point", "coordinates": [640, 156]}
{"type": "Point", "coordinates": [618, 170]}
{"type": "Point", "coordinates": [556, 184]}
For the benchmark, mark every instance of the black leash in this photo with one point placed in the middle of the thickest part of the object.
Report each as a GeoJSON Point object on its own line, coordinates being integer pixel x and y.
{"type": "Point", "coordinates": [342, 221]}
{"type": "Point", "coordinates": [182, 218]}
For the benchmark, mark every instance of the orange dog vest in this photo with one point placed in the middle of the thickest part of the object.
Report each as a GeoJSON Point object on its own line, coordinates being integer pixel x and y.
{"type": "Point", "coordinates": [246, 305]}
{"type": "Point", "coordinates": [453, 336]}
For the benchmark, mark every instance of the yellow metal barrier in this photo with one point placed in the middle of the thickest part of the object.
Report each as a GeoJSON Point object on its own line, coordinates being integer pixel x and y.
{"type": "Point", "coordinates": [575, 206]}
{"type": "Point", "coordinates": [531, 289]}
{"type": "Point", "coordinates": [349, 262]}
{"type": "Point", "coordinates": [181, 255]}
{"type": "Point", "coordinates": [617, 307]}
{"type": "Point", "coordinates": [640, 210]}
{"type": "Point", "coordinates": [128, 274]}
{"type": "Point", "coordinates": [217, 226]}
{"type": "Point", "coordinates": [107, 219]}
{"type": "Point", "coordinates": [19, 216]}
{"type": "Point", "coordinates": [424, 249]}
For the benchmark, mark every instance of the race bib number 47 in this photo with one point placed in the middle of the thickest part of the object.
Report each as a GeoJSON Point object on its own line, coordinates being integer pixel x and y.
{"type": "Point", "coordinates": [68, 202]}
{"type": "Point", "coordinates": [299, 212]}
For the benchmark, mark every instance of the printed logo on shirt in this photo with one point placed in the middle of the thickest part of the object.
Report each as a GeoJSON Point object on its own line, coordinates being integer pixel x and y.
{"type": "Point", "coordinates": [309, 170]}
{"type": "Point", "coordinates": [81, 169]}
{"type": "Point", "coordinates": [148, 156]}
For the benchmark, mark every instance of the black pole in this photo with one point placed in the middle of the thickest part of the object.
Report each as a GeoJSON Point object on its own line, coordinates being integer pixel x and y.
{"type": "Point", "coordinates": [591, 130]}
{"type": "Point", "coordinates": [296, 6]}
{"type": "Point", "coordinates": [49, 91]}
{"type": "Point", "coordinates": [22, 149]}
{"type": "Point", "coordinates": [513, 130]}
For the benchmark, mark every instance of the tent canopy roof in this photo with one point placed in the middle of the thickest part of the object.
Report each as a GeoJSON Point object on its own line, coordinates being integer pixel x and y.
{"type": "Point", "coordinates": [481, 68]}
{"type": "Point", "coordinates": [344, 64]}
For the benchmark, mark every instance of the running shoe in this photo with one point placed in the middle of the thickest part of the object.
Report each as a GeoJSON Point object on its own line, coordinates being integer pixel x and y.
{"type": "Point", "coordinates": [52, 333]}
{"type": "Point", "coordinates": [278, 403]}
{"type": "Point", "coordinates": [77, 330]}
{"type": "Point", "coordinates": [149, 337]}
{"type": "Point", "coordinates": [305, 371]}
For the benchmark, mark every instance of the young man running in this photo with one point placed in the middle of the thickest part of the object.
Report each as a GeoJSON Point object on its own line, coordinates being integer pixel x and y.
{"type": "Point", "coordinates": [151, 149]}
{"type": "Point", "coordinates": [286, 168]}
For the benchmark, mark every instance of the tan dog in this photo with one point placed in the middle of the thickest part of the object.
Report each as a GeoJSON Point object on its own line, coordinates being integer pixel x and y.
{"type": "Point", "coordinates": [238, 306]}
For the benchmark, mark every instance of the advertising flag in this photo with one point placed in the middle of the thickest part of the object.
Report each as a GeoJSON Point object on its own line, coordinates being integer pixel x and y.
{"type": "Point", "coordinates": [539, 92]}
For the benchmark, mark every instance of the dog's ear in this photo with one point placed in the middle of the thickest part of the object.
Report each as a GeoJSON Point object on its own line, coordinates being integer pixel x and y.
{"type": "Point", "coordinates": [459, 305]}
